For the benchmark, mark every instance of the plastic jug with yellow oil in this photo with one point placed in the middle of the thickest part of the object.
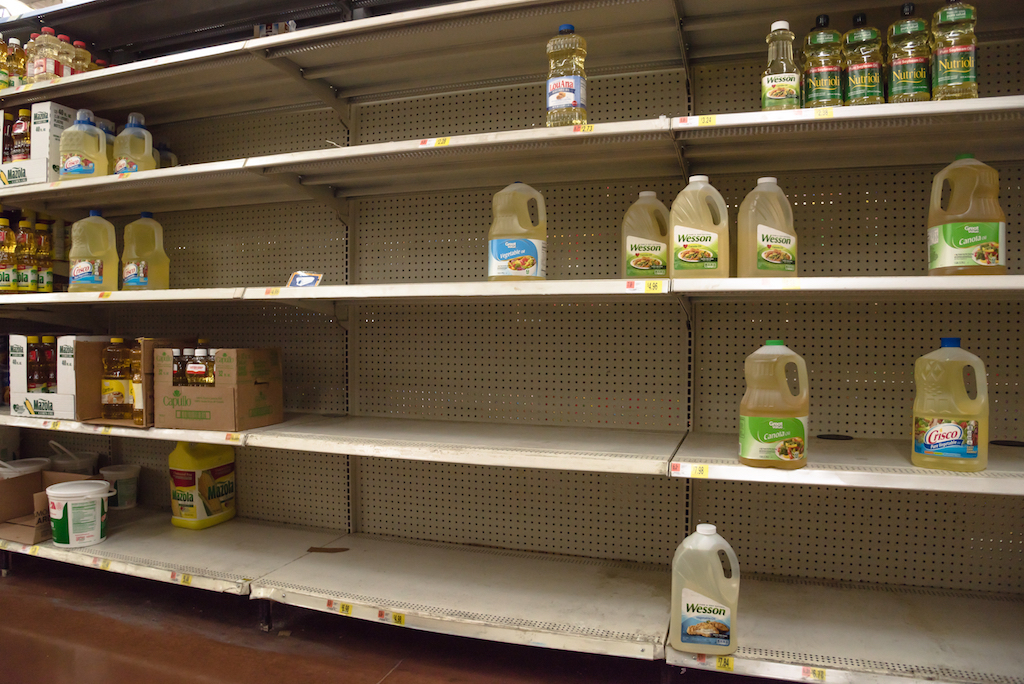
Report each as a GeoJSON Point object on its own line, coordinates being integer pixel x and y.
{"type": "Point", "coordinates": [202, 484]}
{"type": "Point", "coordinates": [645, 238]}
{"type": "Point", "coordinates": [705, 598]}
{"type": "Point", "coordinates": [516, 247]}
{"type": "Point", "coordinates": [968, 236]}
{"type": "Point", "coordinates": [773, 420]}
{"type": "Point", "coordinates": [700, 232]}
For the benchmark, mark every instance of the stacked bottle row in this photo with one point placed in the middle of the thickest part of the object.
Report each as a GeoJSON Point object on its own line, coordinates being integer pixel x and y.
{"type": "Point", "coordinates": [46, 56]}
{"type": "Point", "coordinates": [88, 148]}
{"type": "Point", "coordinates": [195, 366]}
{"type": "Point", "coordinates": [26, 257]}
{"type": "Point", "coordinates": [121, 391]}
{"type": "Point", "coordinates": [94, 261]}
{"type": "Point", "coordinates": [41, 364]}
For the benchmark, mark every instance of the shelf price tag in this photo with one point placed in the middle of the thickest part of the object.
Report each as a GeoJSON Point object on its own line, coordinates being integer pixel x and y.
{"type": "Point", "coordinates": [104, 295]}
{"type": "Point", "coordinates": [815, 674]}
{"type": "Point", "coordinates": [824, 113]}
{"type": "Point", "coordinates": [723, 663]}
{"type": "Point", "coordinates": [654, 287]}
{"type": "Point", "coordinates": [181, 578]}
{"type": "Point", "coordinates": [272, 292]}
{"type": "Point", "coordinates": [589, 128]}
{"type": "Point", "coordinates": [106, 430]}
{"type": "Point", "coordinates": [55, 425]}
{"type": "Point", "coordinates": [702, 470]}
{"type": "Point", "coordinates": [3, 544]}
{"type": "Point", "coordinates": [339, 607]}
{"type": "Point", "coordinates": [101, 563]}
{"type": "Point", "coordinates": [707, 120]}
{"type": "Point", "coordinates": [390, 617]}
{"type": "Point", "coordinates": [233, 437]}
{"type": "Point", "coordinates": [33, 551]}
{"type": "Point", "coordinates": [435, 142]}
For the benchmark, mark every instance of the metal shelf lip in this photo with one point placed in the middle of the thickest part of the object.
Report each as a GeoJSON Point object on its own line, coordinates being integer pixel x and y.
{"type": "Point", "coordinates": [896, 287]}
{"type": "Point", "coordinates": [870, 635]}
{"type": "Point", "coordinates": [637, 452]}
{"type": "Point", "coordinates": [224, 558]}
{"type": "Point", "coordinates": [213, 294]}
{"type": "Point", "coordinates": [872, 463]}
{"type": "Point", "coordinates": [444, 290]}
{"type": "Point", "coordinates": [532, 599]}
{"type": "Point", "coordinates": [165, 434]}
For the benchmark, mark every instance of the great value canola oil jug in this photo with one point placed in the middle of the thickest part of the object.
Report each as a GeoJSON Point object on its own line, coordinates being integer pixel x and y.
{"type": "Point", "coordinates": [202, 484]}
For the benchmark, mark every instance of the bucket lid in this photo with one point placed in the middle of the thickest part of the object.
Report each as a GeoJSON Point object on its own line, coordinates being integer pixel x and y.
{"type": "Point", "coordinates": [705, 528]}
{"type": "Point", "coordinates": [79, 489]}
{"type": "Point", "coordinates": [24, 466]}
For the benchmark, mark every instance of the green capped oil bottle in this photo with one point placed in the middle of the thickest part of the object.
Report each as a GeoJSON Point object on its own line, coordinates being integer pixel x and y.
{"type": "Point", "coordinates": [909, 58]}
{"type": "Point", "coordinates": [823, 65]}
{"type": "Point", "coordinates": [780, 82]}
{"type": "Point", "coordinates": [862, 59]}
{"type": "Point", "coordinates": [954, 60]}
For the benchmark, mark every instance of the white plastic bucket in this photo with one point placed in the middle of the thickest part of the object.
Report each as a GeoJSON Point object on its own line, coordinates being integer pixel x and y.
{"type": "Point", "coordinates": [81, 463]}
{"type": "Point", "coordinates": [23, 466]}
{"type": "Point", "coordinates": [125, 481]}
{"type": "Point", "coordinates": [78, 512]}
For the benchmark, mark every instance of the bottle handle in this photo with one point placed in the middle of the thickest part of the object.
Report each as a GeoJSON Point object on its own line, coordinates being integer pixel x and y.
{"type": "Point", "coordinates": [801, 376]}
{"type": "Point", "coordinates": [709, 196]}
{"type": "Point", "coordinates": [542, 217]}
{"type": "Point", "coordinates": [662, 217]}
{"type": "Point", "coordinates": [982, 382]}
{"type": "Point", "coordinates": [940, 177]}
{"type": "Point", "coordinates": [102, 137]}
{"type": "Point", "coordinates": [734, 564]}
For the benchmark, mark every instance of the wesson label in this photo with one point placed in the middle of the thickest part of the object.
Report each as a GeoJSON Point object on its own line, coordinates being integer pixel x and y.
{"type": "Point", "coordinates": [946, 438]}
{"type": "Point", "coordinates": [773, 439]}
{"type": "Point", "coordinates": [908, 75]}
{"type": "Point", "coordinates": [954, 66]}
{"type": "Point", "coordinates": [823, 84]}
{"type": "Point", "coordinates": [967, 244]}
{"type": "Point", "coordinates": [517, 257]}
{"type": "Point", "coordinates": [776, 251]}
{"type": "Point", "coordinates": [694, 249]}
{"type": "Point", "coordinates": [645, 258]}
{"type": "Point", "coordinates": [567, 91]}
{"type": "Point", "coordinates": [201, 494]}
{"type": "Point", "coordinates": [704, 621]}
{"type": "Point", "coordinates": [864, 80]}
{"type": "Point", "coordinates": [780, 91]}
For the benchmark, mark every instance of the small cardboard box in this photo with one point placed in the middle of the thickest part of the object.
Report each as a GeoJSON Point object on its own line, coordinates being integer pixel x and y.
{"type": "Point", "coordinates": [248, 393]}
{"type": "Point", "coordinates": [49, 120]}
{"type": "Point", "coordinates": [25, 508]}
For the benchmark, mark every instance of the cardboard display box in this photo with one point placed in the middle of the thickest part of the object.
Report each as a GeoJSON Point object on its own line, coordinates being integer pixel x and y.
{"type": "Point", "coordinates": [49, 120]}
{"type": "Point", "coordinates": [248, 393]}
{"type": "Point", "coordinates": [25, 508]}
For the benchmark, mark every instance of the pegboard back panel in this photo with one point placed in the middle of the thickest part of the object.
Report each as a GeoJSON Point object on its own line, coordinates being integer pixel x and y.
{"type": "Point", "coordinates": [314, 346]}
{"type": "Point", "coordinates": [634, 96]}
{"type": "Point", "coordinates": [299, 488]}
{"type": "Point", "coordinates": [925, 539]}
{"type": "Point", "coordinates": [860, 222]}
{"type": "Point", "coordinates": [596, 515]}
{"type": "Point", "coordinates": [545, 364]}
{"type": "Point", "coordinates": [860, 360]}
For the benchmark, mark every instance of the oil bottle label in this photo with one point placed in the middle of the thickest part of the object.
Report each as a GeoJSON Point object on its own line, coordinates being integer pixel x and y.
{"type": "Point", "coordinates": [954, 14]}
{"type": "Point", "coordinates": [694, 249]}
{"type": "Point", "coordinates": [86, 271]}
{"type": "Point", "coordinates": [76, 165]}
{"type": "Point", "coordinates": [136, 273]}
{"type": "Point", "coordinates": [125, 165]}
{"type": "Point", "coordinates": [517, 257]}
{"type": "Point", "coordinates": [780, 91]}
{"type": "Point", "coordinates": [904, 28]}
{"type": "Point", "coordinates": [567, 91]}
{"type": "Point", "coordinates": [825, 37]}
{"type": "Point", "coordinates": [967, 244]}
{"type": "Point", "coordinates": [864, 80]}
{"type": "Point", "coordinates": [773, 439]}
{"type": "Point", "coordinates": [704, 621]}
{"type": "Point", "coordinates": [138, 397]}
{"type": "Point", "coordinates": [908, 76]}
{"type": "Point", "coordinates": [645, 258]}
{"type": "Point", "coordinates": [954, 66]}
{"type": "Point", "coordinates": [5, 79]}
{"type": "Point", "coordinates": [202, 494]}
{"type": "Point", "coordinates": [823, 83]}
{"type": "Point", "coordinates": [776, 251]}
{"type": "Point", "coordinates": [8, 278]}
{"type": "Point", "coordinates": [28, 278]}
{"type": "Point", "coordinates": [44, 279]}
{"type": "Point", "coordinates": [115, 391]}
{"type": "Point", "coordinates": [946, 438]}
{"type": "Point", "coordinates": [861, 35]}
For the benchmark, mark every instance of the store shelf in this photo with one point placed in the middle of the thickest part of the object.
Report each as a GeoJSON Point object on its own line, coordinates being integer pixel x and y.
{"type": "Point", "coordinates": [223, 558]}
{"type": "Point", "coordinates": [165, 434]}
{"type": "Point", "coordinates": [534, 599]}
{"type": "Point", "coordinates": [877, 463]}
{"type": "Point", "coordinates": [865, 634]}
{"type": "Point", "coordinates": [846, 137]}
{"type": "Point", "coordinates": [518, 446]}
{"type": "Point", "coordinates": [213, 294]}
{"type": "Point", "coordinates": [875, 288]}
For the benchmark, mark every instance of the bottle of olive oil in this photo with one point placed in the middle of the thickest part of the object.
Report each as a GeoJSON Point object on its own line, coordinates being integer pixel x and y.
{"type": "Point", "coordinates": [862, 57]}
{"type": "Point", "coordinates": [909, 56]}
{"type": "Point", "coordinates": [823, 65]}
{"type": "Point", "coordinates": [780, 82]}
{"type": "Point", "coordinates": [954, 63]}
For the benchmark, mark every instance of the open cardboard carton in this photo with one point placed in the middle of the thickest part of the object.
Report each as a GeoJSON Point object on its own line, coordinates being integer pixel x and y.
{"type": "Point", "coordinates": [25, 508]}
{"type": "Point", "coordinates": [248, 393]}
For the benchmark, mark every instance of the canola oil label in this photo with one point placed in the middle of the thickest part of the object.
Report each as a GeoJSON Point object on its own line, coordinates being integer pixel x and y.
{"type": "Point", "coordinates": [946, 438]}
{"type": "Point", "coordinates": [704, 621]}
{"type": "Point", "coordinates": [645, 258]}
{"type": "Point", "coordinates": [202, 494]}
{"type": "Point", "coordinates": [44, 279]}
{"type": "Point", "coordinates": [28, 278]}
{"type": "Point", "coordinates": [773, 439]}
{"type": "Point", "coordinates": [967, 244]}
{"type": "Point", "coordinates": [567, 91]}
{"type": "Point", "coordinates": [76, 165]}
{"type": "Point", "coordinates": [86, 271]}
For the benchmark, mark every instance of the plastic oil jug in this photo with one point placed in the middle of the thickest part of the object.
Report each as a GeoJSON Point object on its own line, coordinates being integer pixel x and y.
{"type": "Point", "coordinates": [93, 255]}
{"type": "Point", "coordinates": [766, 243]}
{"type": "Point", "coordinates": [780, 82]}
{"type": "Point", "coordinates": [968, 236]}
{"type": "Point", "coordinates": [202, 484]}
{"type": "Point", "coordinates": [83, 149]}
{"type": "Point", "coordinates": [705, 599]}
{"type": "Point", "coordinates": [116, 387]}
{"type": "Point", "coordinates": [645, 238]}
{"type": "Point", "coordinates": [133, 147]}
{"type": "Point", "coordinates": [516, 247]}
{"type": "Point", "coordinates": [144, 264]}
{"type": "Point", "coordinates": [700, 232]}
{"type": "Point", "coordinates": [773, 420]}
{"type": "Point", "coordinates": [8, 258]}
{"type": "Point", "coordinates": [567, 81]}
{"type": "Point", "coordinates": [107, 126]}
{"type": "Point", "coordinates": [950, 428]}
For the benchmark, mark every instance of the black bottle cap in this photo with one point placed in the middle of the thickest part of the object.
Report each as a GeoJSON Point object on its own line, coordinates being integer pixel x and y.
{"type": "Point", "coordinates": [907, 10]}
{"type": "Point", "coordinates": [821, 22]}
{"type": "Point", "coordinates": [860, 20]}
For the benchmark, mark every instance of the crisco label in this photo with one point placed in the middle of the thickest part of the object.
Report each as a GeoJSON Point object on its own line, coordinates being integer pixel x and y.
{"type": "Point", "coordinates": [694, 249]}
{"type": "Point", "coordinates": [909, 26]}
{"type": "Point", "coordinates": [86, 271]}
{"type": "Point", "coordinates": [823, 84]}
{"type": "Point", "coordinates": [125, 165]}
{"type": "Point", "coordinates": [967, 244]}
{"type": "Point", "coordinates": [76, 165]}
{"type": "Point", "coordinates": [201, 494]}
{"type": "Point", "coordinates": [645, 258]}
{"type": "Point", "coordinates": [954, 14]}
{"type": "Point", "coordinates": [567, 91]}
{"type": "Point", "coordinates": [946, 438]}
{"type": "Point", "coordinates": [517, 257]}
{"type": "Point", "coordinates": [861, 35]}
{"type": "Point", "coordinates": [704, 621]}
{"type": "Point", "coordinates": [773, 439]}
{"type": "Point", "coordinates": [954, 66]}
{"type": "Point", "coordinates": [776, 251]}
{"type": "Point", "coordinates": [780, 91]}
{"type": "Point", "coordinates": [909, 75]}
{"type": "Point", "coordinates": [825, 37]}
{"type": "Point", "coordinates": [864, 80]}
{"type": "Point", "coordinates": [135, 273]}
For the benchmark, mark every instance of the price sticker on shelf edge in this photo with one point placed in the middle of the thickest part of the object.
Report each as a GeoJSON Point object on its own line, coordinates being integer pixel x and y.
{"type": "Point", "coordinates": [55, 425]}
{"type": "Point", "coordinates": [33, 550]}
{"type": "Point", "coordinates": [646, 286]}
{"type": "Point", "coordinates": [435, 142]}
{"type": "Point", "coordinates": [707, 120]}
{"type": "Point", "coordinates": [701, 470]}
{"type": "Point", "coordinates": [233, 437]}
{"type": "Point", "coordinates": [339, 607]}
{"type": "Point", "coordinates": [589, 128]}
{"type": "Point", "coordinates": [815, 674]}
{"type": "Point", "coordinates": [181, 578]}
{"type": "Point", "coordinates": [3, 544]}
{"type": "Point", "coordinates": [393, 618]}
{"type": "Point", "coordinates": [104, 295]}
{"type": "Point", "coordinates": [272, 292]}
{"type": "Point", "coordinates": [106, 430]}
{"type": "Point", "coordinates": [824, 113]}
{"type": "Point", "coordinates": [723, 663]}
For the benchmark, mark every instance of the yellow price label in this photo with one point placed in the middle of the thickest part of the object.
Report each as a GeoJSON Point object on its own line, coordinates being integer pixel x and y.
{"type": "Point", "coordinates": [816, 674]}
{"type": "Point", "coordinates": [105, 295]}
{"type": "Point", "coordinates": [55, 425]}
{"type": "Point", "coordinates": [442, 142]}
{"type": "Point", "coordinates": [824, 113]}
{"type": "Point", "coordinates": [700, 470]}
{"type": "Point", "coordinates": [181, 578]}
{"type": "Point", "coordinates": [589, 128]}
{"type": "Point", "coordinates": [107, 430]}
{"type": "Point", "coordinates": [654, 286]}
{"type": "Point", "coordinates": [707, 120]}
{"type": "Point", "coordinates": [398, 619]}
{"type": "Point", "coordinates": [33, 551]}
{"type": "Point", "coordinates": [104, 564]}
{"type": "Point", "coordinates": [338, 606]}
{"type": "Point", "coordinates": [723, 663]}
{"type": "Point", "coordinates": [232, 437]}
{"type": "Point", "coordinates": [272, 291]}
{"type": "Point", "coordinates": [55, 184]}
{"type": "Point", "coordinates": [122, 176]}
{"type": "Point", "coordinates": [3, 544]}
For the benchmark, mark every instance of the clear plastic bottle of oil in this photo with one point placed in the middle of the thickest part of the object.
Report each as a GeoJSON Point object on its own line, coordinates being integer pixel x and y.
{"type": "Point", "coordinates": [823, 65]}
{"type": "Point", "coordinates": [968, 236]}
{"type": "Point", "coordinates": [144, 264]}
{"type": "Point", "coordinates": [862, 58]}
{"type": "Point", "coordinates": [645, 238]}
{"type": "Point", "coordinates": [705, 599]}
{"type": "Point", "coordinates": [766, 244]}
{"type": "Point", "coordinates": [780, 82]}
{"type": "Point", "coordinates": [93, 255]}
{"type": "Point", "coordinates": [517, 248]}
{"type": "Point", "coordinates": [567, 80]}
{"type": "Point", "coordinates": [950, 428]}
{"type": "Point", "coordinates": [83, 149]}
{"type": "Point", "coordinates": [133, 147]}
{"type": "Point", "coordinates": [8, 258]}
{"type": "Point", "coordinates": [46, 59]}
{"type": "Point", "coordinates": [44, 258]}
{"type": "Point", "coordinates": [116, 387]}
{"type": "Point", "coordinates": [17, 64]}
{"type": "Point", "coordinates": [954, 60]}
{"type": "Point", "coordinates": [25, 254]}
{"type": "Point", "coordinates": [773, 420]}
{"type": "Point", "coordinates": [700, 232]}
{"type": "Point", "coordinates": [138, 387]}
{"type": "Point", "coordinates": [909, 58]}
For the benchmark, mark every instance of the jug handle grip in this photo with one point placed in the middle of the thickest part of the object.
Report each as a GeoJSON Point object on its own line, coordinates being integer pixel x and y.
{"type": "Point", "coordinates": [707, 197]}
{"type": "Point", "coordinates": [982, 382]}
{"type": "Point", "coordinates": [940, 178]}
{"type": "Point", "coordinates": [541, 213]}
{"type": "Point", "coordinates": [734, 563]}
{"type": "Point", "coordinates": [801, 375]}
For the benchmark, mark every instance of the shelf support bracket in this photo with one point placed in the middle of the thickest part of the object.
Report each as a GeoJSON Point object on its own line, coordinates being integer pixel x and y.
{"type": "Point", "coordinates": [318, 193]}
{"type": "Point", "coordinates": [323, 91]}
